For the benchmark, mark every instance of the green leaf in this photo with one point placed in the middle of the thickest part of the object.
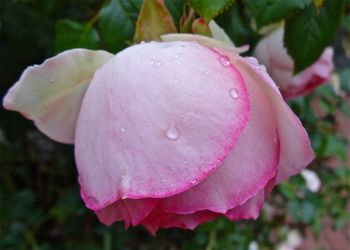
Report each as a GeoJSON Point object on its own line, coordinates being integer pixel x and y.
{"type": "Point", "coordinates": [117, 23]}
{"type": "Point", "coordinates": [70, 34]}
{"type": "Point", "coordinates": [210, 9]}
{"type": "Point", "coordinates": [154, 20]}
{"type": "Point", "coordinates": [310, 32]}
{"type": "Point", "coordinates": [236, 23]}
{"type": "Point", "coordinates": [271, 11]}
{"type": "Point", "coordinates": [176, 8]}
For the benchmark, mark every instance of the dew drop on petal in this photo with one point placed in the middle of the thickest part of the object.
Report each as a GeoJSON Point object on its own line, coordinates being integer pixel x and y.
{"type": "Point", "coordinates": [151, 62]}
{"type": "Point", "coordinates": [176, 56]}
{"type": "Point", "coordinates": [234, 93]}
{"type": "Point", "coordinates": [123, 130]}
{"type": "Point", "coordinates": [206, 73]}
{"type": "Point", "coordinates": [172, 133]}
{"type": "Point", "coordinates": [224, 61]}
{"type": "Point", "coordinates": [176, 80]}
{"type": "Point", "coordinates": [253, 61]}
{"type": "Point", "coordinates": [158, 63]}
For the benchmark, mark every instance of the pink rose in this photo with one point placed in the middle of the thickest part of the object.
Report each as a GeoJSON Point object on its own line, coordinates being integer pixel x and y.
{"type": "Point", "coordinates": [166, 134]}
{"type": "Point", "coordinates": [271, 53]}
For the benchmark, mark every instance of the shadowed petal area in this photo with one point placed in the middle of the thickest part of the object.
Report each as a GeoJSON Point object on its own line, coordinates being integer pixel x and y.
{"type": "Point", "coordinates": [168, 120]}
{"type": "Point", "coordinates": [251, 209]}
{"type": "Point", "coordinates": [50, 94]}
{"type": "Point", "coordinates": [247, 168]}
{"type": "Point", "coordinates": [296, 152]}
{"type": "Point", "coordinates": [160, 219]}
{"type": "Point", "coordinates": [132, 212]}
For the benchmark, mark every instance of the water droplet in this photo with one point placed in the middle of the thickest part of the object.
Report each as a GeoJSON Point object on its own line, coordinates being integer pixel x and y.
{"type": "Point", "coordinates": [176, 80]}
{"type": "Point", "coordinates": [224, 61]}
{"type": "Point", "coordinates": [151, 62]}
{"type": "Point", "coordinates": [253, 61]}
{"type": "Point", "coordinates": [185, 162]}
{"type": "Point", "coordinates": [158, 63]}
{"type": "Point", "coordinates": [172, 133]}
{"type": "Point", "coordinates": [123, 130]}
{"type": "Point", "coordinates": [176, 56]}
{"type": "Point", "coordinates": [52, 79]}
{"type": "Point", "coordinates": [92, 201]}
{"type": "Point", "coordinates": [206, 73]}
{"type": "Point", "coordinates": [193, 182]}
{"type": "Point", "coordinates": [234, 93]}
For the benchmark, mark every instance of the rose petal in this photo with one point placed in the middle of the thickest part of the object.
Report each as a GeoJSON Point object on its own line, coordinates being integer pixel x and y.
{"type": "Point", "coordinates": [206, 41]}
{"type": "Point", "coordinates": [251, 209]}
{"type": "Point", "coordinates": [271, 52]}
{"type": "Point", "coordinates": [167, 121]}
{"type": "Point", "coordinates": [296, 151]}
{"type": "Point", "coordinates": [132, 212]}
{"type": "Point", "coordinates": [219, 33]}
{"type": "Point", "coordinates": [160, 219]}
{"type": "Point", "coordinates": [51, 93]}
{"type": "Point", "coordinates": [246, 170]}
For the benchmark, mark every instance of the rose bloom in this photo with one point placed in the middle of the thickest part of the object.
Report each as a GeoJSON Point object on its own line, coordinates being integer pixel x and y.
{"type": "Point", "coordinates": [271, 53]}
{"type": "Point", "coordinates": [166, 134]}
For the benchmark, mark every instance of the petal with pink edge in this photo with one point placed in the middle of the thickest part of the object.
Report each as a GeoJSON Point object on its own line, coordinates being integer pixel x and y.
{"type": "Point", "coordinates": [50, 94]}
{"type": "Point", "coordinates": [251, 209]}
{"type": "Point", "coordinates": [246, 170]}
{"type": "Point", "coordinates": [296, 152]}
{"type": "Point", "coordinates": [160, 219]}
{"type": "Point", "coordinates": [132, 212]}
{"type": "Point", "coordinates": [157, 120]}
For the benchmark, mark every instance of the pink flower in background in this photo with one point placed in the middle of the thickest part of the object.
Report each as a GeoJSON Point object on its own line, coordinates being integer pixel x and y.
{"type": "Point", "coordinates": [166, 134]}
{"type": "Point", "coordinates": [271, 53]}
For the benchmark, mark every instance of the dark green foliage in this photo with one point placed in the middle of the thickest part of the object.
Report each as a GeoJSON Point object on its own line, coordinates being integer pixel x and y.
{"type": "Point", "coordinates": [308, 33]}
{"type": "Point", "coordinates": [40, 204]}
{"type": "Point", "coordinates": [271, 11]}
{"type": "Point", "coordinates": [210, 9]}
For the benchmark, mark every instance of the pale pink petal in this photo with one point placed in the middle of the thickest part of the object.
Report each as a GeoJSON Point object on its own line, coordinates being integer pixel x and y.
{"type": "Point", "coordinates": [315, 75]}
{"type": "Point", "coordinates": [205, 41]}
{"type": "Point", "coordinates": [50, 94]}
{"type": "Point", "coordinates": [271, 52]}
{"type": "Point", "coordinates": [246, 170]}
{"type": "Point", "coordinates": [132, 212]}
{"type": "Point", "coordinates": [296, 151]}
{"type": "Point", "coordinates": [167, 121]}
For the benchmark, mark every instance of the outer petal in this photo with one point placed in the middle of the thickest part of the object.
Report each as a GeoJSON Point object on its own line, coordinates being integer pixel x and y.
{"type": "Point", "coordinates": [51, 93]}
{"type": "Point", "coordinates": [168, 121]}
{"type": "Point", "coordinates": [206, 41]}
{"type": "Point", "coordinates": [251, 209]}
{"type": "Point", "coordinates": [246, 170]}
{"type": "Point", "coordinates": [130, 211]}
{"type": "Point", "coordinates": [273, 55]}
{"type": "Point", "coordinates": [160, 219]}
{"type": "Point", "coordinates": [296, 151]}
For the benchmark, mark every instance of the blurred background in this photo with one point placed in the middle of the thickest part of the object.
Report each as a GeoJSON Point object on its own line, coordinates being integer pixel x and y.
{"type": "Point", "coordinates": [40, 205]}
